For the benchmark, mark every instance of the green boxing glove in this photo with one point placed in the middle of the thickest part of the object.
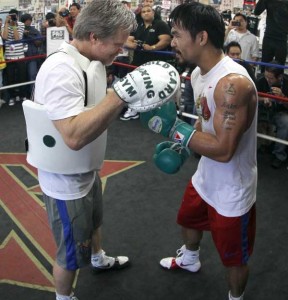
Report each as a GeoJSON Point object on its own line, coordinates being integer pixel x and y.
{"type": "Point", "coordinates": [169, 157]}
{"type": "Point", "coordinates": [164, 120]}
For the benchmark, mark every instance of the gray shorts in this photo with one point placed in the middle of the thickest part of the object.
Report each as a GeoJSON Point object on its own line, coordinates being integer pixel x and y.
{"type": "Point", "coordinates": [72, 223]}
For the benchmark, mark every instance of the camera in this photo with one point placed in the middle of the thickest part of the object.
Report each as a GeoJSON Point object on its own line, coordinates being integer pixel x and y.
{"type": "Point", "coordinates": [64, 13]}
{"type": "Point", "coordinates": [13, 17]}
{"type": "Point", "coordinates": [139, 44]}
{"type": "Point", "coordinates": [236, 23]}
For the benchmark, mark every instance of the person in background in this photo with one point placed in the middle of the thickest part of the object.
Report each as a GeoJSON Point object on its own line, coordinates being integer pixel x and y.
{"type": "Point", "coordinates": [150, 36]}
{"type": "Point", "coordinates": [274, 46]}
{"type": "Point", "coordinates": [124, 56]}
{"type": "Point", "coordinates": [34, 42]}
{"type": "Point", "coordinates": [15, 72]}
{"type": "Point", "coordinates": [275, 82]}
{"type": "Point", "coordinates": [2, 63]}
{"type": "Point", "coordinates": [57, 31]}
{"type": "Point", "coordinates": [151, 3]}
{"type": "Point", "coordinates": [61, 18]}
{"type": "Point", "coordinates": [233, 50]}
{"type": "Point", "coordinates": [74, 10]}
{"type": "Point", "coordinates": [49, 21]}
{"type": "Point", "coordinates": [237, 31]}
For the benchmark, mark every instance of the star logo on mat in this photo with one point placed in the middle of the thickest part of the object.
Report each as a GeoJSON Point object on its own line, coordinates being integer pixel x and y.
{"type": "Point", "coordinates": [27, 248]}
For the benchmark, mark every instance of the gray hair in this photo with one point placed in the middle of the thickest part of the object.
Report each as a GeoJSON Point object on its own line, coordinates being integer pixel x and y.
{"type": "Point", "coordinates": [103, 18]}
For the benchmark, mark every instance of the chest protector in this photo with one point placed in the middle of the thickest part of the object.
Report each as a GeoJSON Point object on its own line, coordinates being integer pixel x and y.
{"type": "Point", "coordinates": [46, 149]}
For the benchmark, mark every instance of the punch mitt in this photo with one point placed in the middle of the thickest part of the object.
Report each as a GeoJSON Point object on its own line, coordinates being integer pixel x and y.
{"type": "Point", "coordinates": [149, 86]}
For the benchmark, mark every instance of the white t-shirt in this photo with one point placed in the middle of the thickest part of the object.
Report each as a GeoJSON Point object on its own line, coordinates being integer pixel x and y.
{"type": "Point", "coordinates": [60, 86]}
{"type": "Point", "coordinates": [229, 187]}
{"type": "Point", "coordinates": [248, 42]}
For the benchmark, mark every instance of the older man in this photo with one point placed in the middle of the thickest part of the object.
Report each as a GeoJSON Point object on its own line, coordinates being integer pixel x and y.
{"type": "Point", "coordinates": [76, 108]}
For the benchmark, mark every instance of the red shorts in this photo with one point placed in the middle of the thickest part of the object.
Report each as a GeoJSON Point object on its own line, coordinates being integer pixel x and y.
{"type": "Point", "coordinates": [233, 236]}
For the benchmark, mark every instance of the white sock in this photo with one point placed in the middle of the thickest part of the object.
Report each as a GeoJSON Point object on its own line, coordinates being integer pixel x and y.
{"type": "Point", "coordinates": [95, 258]}
{"type": "Point", "coordinates": [236, 298]}
{"type": "Point", "coordinates": [63, 297]}
{"type": "Point", "coordinates": [190, 257]}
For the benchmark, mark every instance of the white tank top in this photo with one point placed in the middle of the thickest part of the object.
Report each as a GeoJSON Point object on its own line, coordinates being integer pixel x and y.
{"type": "Point", "coordinates": [229, 187]}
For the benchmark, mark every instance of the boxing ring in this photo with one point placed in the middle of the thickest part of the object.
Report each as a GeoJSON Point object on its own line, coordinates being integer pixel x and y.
{"type": "Point", "coordinates": [182, 113]}
{"type": "Point", "coordinates": [140, 211]}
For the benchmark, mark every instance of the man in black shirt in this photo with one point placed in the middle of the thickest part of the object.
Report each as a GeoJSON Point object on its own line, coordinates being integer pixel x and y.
{"type": "Point", "coordinates": [275, 82]}
{"type": "Point", "coordinates": [150, 36]}
{"type": "Point", "coordinates": [274, 44]}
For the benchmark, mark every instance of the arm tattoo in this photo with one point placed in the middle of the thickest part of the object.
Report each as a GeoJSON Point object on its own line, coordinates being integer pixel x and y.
{"type": "Point", "coordinates": [229, 119]}
{"type": "Point", "coordinates": [230, 90]}
{"type": "Point", "coordinates": [229, 115]}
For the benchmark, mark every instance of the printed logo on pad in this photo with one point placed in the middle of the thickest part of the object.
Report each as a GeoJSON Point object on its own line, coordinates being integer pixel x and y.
{"type": "Point", "coordinates": [178, 137]}
{"type": "Point", "coordinates": [155, 124]}
{"type": "Point", "coordinates": [159, 79]}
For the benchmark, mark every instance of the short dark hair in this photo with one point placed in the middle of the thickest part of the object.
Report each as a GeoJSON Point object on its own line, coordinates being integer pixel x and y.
{"type": "Point", "coordinates": [49, 16]}
{"type": "Point", "coordinates": [196, 17]}
{"type": "Point", "coordinates": [26, 17]}
{"type": "Point", "coordinates": [240, 15]}
{"type": "Point", "coordinates": [77, 5]}
{"type": "Point", "coordinates": [232, 44]}
{"type": "Point", "coordinates": [274, 69]}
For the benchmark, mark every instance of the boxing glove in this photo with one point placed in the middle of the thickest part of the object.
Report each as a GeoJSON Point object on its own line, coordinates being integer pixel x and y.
{"type": "Point", "coordinates": [148, 86]}
{"type": "Point", "coordinates": [169, 156]}
{"type": "Point", "coordinates": [164, 120]}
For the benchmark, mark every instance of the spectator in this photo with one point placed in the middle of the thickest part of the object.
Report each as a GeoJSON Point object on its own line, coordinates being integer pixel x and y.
{"type": "Point", "coordinates": [67, 17]}
{"type": "Point", "coordinates": [61, 18]}
{"type": "Point", "coordinates": [34, 43]}
{"type": "Point", "coordinates": [150, 36]}
{"type": "Point", "coordinates": [237, 31]}
{"type": "Point", "coordinates": [74, 11]}
{"type": "Point", "coordinates": [233, 50]}
{"type": "Point", "coordinates": [56, 32]}
{"type": "Point", "coordinates": [274, 46]}
{"type": "Point", "coordinates": [2, 63]}
{"type": "Point", "coordinates": [15, 72]}
{"type": "Point", "coordinates": [151, 3]}
{"type": "Point", "coordinates": [124, 56]}
{"type": "Point", "coordinates": [50, 20]}
{"type": "Point", "coordinates": [275, 82]}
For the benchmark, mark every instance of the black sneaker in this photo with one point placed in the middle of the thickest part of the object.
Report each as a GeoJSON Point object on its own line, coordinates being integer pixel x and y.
{"type": "Point", "coordinates": [104, 263]}
{"type": "Point", "coordinates": [276, 163]}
